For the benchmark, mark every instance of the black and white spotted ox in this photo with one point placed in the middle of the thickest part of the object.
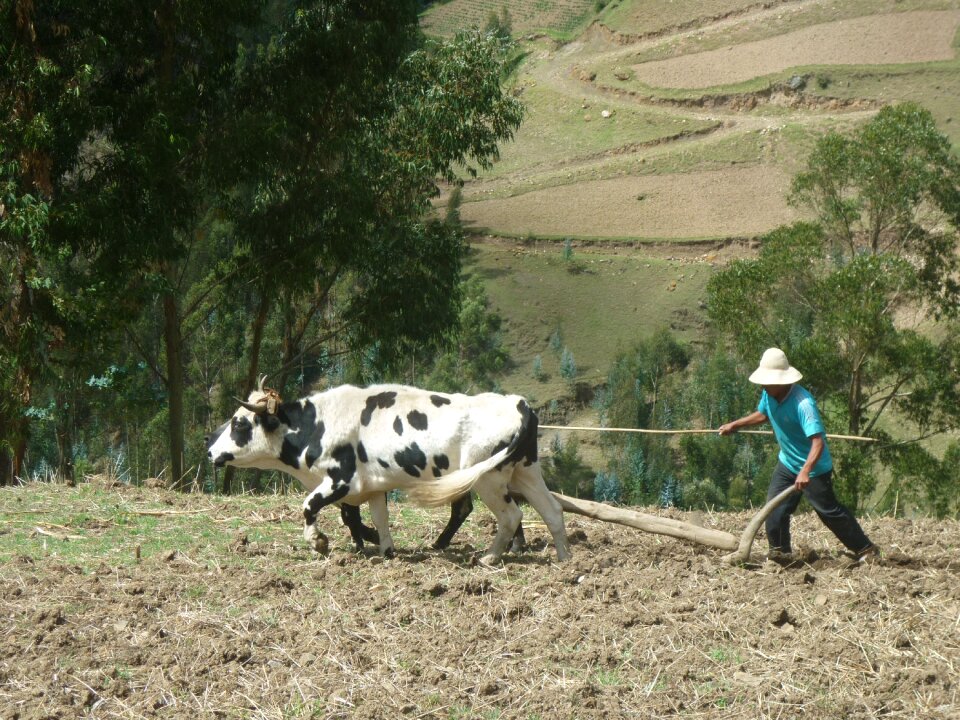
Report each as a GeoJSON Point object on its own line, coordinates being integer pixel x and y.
{"type": "Point", "coordinates": [351, 445]}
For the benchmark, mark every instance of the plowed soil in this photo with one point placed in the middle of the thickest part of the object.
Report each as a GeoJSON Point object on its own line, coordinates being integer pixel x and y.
{"type": "Point", "coordinates": [692, 205]}
{"type": "Point", "coordinates": [239, 620]}
{"type": "Point", "coordinates": [909, 37]}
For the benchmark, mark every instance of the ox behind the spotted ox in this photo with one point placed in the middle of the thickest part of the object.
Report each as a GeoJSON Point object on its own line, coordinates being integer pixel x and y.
{"type": "Point", "coordinates": [352, 444]}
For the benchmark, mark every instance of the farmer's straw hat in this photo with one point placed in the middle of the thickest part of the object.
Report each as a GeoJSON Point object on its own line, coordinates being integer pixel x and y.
{"type": "Point", "coordinates": [775, 369]}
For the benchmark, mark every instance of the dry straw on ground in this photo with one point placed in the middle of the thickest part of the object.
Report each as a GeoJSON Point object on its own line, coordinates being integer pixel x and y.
{"type": "Point", "coordinates": [236, 619]}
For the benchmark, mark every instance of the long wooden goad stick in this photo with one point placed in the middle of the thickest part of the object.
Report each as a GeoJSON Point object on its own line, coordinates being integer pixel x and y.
{"type": "Point", "coordinates": [691, 432]}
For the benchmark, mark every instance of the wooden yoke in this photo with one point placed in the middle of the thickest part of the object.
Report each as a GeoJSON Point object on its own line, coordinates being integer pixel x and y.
{"type": "Point", "coordinates": [740, 547]}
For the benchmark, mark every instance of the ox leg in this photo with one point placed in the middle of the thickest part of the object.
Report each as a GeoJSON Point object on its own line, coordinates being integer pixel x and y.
{"type": "Point", "coordinates": [460, 509]}
{"type": "Point", "coordinates": [378, 511]}
{"type": "Point", "coordinates": [350, 515]}
{"type": "Point", "coordinates": [492, 489]}
{"type": "Point", "coordinates": [327, 493]}
{"type": "Point", "coordinates": [519, 541]}
{"type": "Point", "coordinates": [528, 481]}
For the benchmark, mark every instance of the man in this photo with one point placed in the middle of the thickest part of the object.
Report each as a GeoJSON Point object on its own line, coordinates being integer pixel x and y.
{"type": "Point", "coordinates": [804, 459]}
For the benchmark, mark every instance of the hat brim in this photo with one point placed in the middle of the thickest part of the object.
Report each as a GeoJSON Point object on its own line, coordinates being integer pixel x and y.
{"type": "Point", "coordinates": [768, 376]}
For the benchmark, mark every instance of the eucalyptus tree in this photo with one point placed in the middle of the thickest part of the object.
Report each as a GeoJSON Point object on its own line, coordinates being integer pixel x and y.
{"type": "Point", "coordinates": [107, 108]}
{"type": "Point", "coordinates": [314, 131]}
{"type": "Point", "coordinates": [342, 129]}
{"type": "Point", "coordinates": [864, 299]}
{"type": "Point", "coordinates": [344, 121]}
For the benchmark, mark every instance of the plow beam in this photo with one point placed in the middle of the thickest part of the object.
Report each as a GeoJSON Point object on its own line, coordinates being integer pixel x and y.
{"type": "Point", "coordinates": [739, 547]}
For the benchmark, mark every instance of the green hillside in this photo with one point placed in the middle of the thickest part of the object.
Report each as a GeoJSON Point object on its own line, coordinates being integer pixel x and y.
{"type": "Point", "coordinates": [608, 155]}
{"type": "Point", "coordinates": [600, 301]}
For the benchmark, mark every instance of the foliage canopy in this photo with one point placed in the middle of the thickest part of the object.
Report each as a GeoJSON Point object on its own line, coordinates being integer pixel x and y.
{"type": "Point", "coordinates": [189, 190]}
{"type": "Point", "coordinates": [848, 296]}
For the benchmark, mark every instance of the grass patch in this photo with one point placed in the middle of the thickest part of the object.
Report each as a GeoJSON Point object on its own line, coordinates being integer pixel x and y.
{"type": "Point", "coordinates": [638, 17]}
{"type": "Point", "coordinates": [713, 152]}
{"type": "Point", "coordinates": [936, 86]}
{"type": "Point", "coordinates": [560, 19]}
{"type": "Point", "coordinates": [125, 527]}
{"type": "Point", "coordinates": [559, 131]}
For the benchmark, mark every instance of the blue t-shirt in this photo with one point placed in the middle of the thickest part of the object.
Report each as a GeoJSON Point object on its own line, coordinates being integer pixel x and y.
{"type": "Point", "coordinates": [795, 421]}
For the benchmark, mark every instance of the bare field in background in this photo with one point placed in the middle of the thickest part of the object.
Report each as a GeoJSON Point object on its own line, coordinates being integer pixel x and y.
{"type": "Point", "coordinates": [703, 205]}
{"type": "Point", "coordinates": [894, 39]}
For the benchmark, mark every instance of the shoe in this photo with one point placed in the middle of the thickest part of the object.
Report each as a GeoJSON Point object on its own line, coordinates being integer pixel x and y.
{"type": "Point", "coordinates": [781, 557]}
{"type": "Point", "coordinates": [868, 555]}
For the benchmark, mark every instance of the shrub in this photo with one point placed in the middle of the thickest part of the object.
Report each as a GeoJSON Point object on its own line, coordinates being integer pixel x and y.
{"type": "Point", "coordinates": [538, 373]}
{"type": "Point", "coordinates": [606, 487]}
{"type": "Point", "coordinates": [670, 495]}
{"type": "Point", "coordinates": [568, 366]}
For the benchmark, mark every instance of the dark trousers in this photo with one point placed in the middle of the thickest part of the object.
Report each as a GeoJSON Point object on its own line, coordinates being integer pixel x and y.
{"type": "Point", "coordinates": [819, 494]}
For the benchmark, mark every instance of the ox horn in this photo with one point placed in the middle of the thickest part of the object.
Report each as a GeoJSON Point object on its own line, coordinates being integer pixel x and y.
{"type": "Point", "coordinates": [259, 408]}
{"type": "Point", "coordinates": [263, 379]}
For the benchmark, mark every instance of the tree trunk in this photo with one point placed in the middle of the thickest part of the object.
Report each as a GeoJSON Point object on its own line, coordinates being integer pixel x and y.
{"type": "Point", "coordinates": [854, 401]}
{"type": "Point", "coordinates": [292, 342]}
{"type": "Point", "coordinates": [250, 382]}
{"type": "Point", "coordinates": [173, 341]}
{"type": "Point", "coordinates": [11, 459]}
{"type": "Point", "coordinates": [6, 463]}
{"type": "Point", "coordinates": [20, 451]}
{"type": "Point", "coordinates": [65, 449]}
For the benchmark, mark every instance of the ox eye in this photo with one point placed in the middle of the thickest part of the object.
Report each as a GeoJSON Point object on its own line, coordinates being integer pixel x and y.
{"type": "Point", "coordinates": [240, 423]}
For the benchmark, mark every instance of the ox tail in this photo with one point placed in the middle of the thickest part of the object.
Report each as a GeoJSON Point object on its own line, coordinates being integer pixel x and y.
{"type": "Point", "coordinates": [446, 489]}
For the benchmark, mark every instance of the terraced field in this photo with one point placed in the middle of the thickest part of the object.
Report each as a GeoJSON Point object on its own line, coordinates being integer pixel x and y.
{"type": "Point", "coordinates": [660, 139]}
{"type": "Point", "coordinates": [872, 40]}
{"type": "Point", "coordinates": [685, 120]}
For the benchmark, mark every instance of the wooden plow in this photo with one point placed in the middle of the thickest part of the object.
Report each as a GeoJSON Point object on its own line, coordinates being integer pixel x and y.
{"type": "Point", "coordinates": [739, 547]}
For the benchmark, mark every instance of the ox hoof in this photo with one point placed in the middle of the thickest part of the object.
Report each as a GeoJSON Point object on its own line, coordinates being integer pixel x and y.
{"type": "Point", "coordinates": [489, 560]}
{"type": "Point", "coordinates": [389, 553]}
{"type": "Point", "coordinates": [317, 540]}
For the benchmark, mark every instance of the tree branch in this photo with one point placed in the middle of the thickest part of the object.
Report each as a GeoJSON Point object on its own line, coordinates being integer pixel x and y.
{"type": "Point", "coordinates": [312, 346]}
{"type": "Point", "coordinates": [885, 402]}
{"type": "Point", "coordinates": [143, 353]}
